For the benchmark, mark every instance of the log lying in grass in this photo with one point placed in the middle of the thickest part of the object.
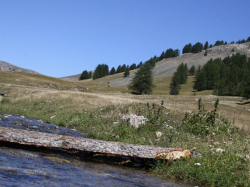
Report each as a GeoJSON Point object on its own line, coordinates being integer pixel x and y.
{"type": "Point", "coordinates": [91, 145]}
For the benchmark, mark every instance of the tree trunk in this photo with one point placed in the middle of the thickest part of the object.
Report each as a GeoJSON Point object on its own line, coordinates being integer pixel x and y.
{"type": "Point", "coordinates": [91, 145]}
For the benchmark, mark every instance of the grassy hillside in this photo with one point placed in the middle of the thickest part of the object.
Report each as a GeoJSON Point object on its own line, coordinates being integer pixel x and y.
{"type": "Point", "coordinates": [234, 108]}
{"type": "Point", "coordinates": [52, 100]}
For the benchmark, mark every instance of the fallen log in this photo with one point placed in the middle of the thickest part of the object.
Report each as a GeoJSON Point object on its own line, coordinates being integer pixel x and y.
{"type": "Point", "coordinates": [51, 140]}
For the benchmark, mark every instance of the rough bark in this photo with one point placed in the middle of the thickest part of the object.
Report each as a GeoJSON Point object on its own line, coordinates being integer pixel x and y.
{"type": "Point", "coordinates": [91, 145]}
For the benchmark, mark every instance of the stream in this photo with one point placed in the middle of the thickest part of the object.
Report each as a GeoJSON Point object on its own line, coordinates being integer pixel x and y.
{"type": "Point", "coordinates": [36, 166]}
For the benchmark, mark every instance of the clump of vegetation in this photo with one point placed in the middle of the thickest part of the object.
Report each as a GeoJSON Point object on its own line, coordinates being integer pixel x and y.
{"type": "Point", "coordinates": [205, 122]}
{"type": "Point", "coordinates": [5, 101]}
{"type": "Point", "coordinates": [230, 76]}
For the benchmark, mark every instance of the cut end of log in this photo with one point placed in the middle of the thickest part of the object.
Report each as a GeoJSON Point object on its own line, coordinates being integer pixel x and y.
{"type": "Point", "coordinates": [174, 154]}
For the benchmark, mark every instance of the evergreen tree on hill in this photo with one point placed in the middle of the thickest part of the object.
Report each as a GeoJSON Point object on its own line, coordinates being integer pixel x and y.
{"type": "Point", "coordinates": [197, 47]}
{"type": "Point", "coordinates": [169, 53]}
{"type": "Point", "coordinates": [132, 67]}
{"type": "Point", "coordinates": [119, 69]}
{"type": "Point", "coordinates": [101, 70]}
{"type": "Point", "coordinates": [182, 73]}
{"type": "Point", "coordinates": [187, 48]}
{"type": "Point", "coordinates": [84, 75]}
{"type": "Point", "coordinates": [162, 56]}
{"type": "Point", "coordinates": [142, 82]}
{"type": "Point", "coordinates": [123, 67]}
{"type": "Point", "coordinates": [126, 73]}
{"type": "Point", "coordinates": [206, 45]}
{"type": "Point", "coordinates": [90, 74]}
{"type": "Point", "coordinates": [200, 83]}
{"type": "Point", "coordinates": [179, 77]}
{"type": "Point", "coordinates": [174, 86]}
{"type": "Point", "coordinates": [192, 70]}
{"type": "Point", "coordinates": [112, 71]}
{"type": "Point", "coordinates": [230, 76]}
{"type": "Point", "coordinates": [176, 52]}
{"type": "Point", "coordinates": [243, 41]}
{"type": "Point", "coordinates": [139, 65]}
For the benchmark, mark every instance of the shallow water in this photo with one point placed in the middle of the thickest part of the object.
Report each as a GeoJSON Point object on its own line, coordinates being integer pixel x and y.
{"type": "Point", "coordinates": [33, 166]}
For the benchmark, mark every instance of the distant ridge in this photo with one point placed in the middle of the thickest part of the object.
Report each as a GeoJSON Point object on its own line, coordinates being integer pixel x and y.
{"type": "Point", "coordinates": [5, 66]}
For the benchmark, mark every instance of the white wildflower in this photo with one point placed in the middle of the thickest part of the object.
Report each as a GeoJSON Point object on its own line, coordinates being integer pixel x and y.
{"type": "Point", "coordinates": [197, 164]}
{"type": "Point", "coordinates": [219, 150]}
{"type": "Point", "coordinates": [159, 134]}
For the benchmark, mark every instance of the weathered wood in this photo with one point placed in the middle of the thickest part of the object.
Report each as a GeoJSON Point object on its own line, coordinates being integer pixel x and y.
{"type": "Point", "coordinates": [91, 145]}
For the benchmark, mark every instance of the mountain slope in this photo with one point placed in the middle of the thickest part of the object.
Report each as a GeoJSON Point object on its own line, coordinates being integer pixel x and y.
{"type": "Point", "coordinates": [5, 66]}
{"type": "Point", "coordinates": [168, 66]}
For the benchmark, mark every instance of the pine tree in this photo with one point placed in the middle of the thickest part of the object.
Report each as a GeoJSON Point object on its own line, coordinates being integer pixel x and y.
{"type": "Point", "coordinates": [197, 47]}
{"type": "Point", "coordinates": [243, 41]}
{"type": "Point", "coordinates": [126, 73]}
{"type": "Point", "coordinates": [182, 73]}
{"type": "Point", "coordinates": [84, 75]}
{"type": "Point", "coordinates": [206, 45]}
{"type": "Point", "coordinates": [112, 71]}
{"type": "Point", "coordinates": [248, 39]}
{"type": "Point", "coordinates": [174, 85]}
{"type": "Point", "coordinates": [132, 67]}
{"type": "Point", "coordinates": [200, 83]}
{"type": "Point", "coordinates": [96, 75]}
{"type": "Point", "coordinates": [192, 70]}
{"type": "Point", "coordinates": [162, 56]}
{"type": "Point", "coordinates": [142, 82]}
{"type": "Point", "coordinates": [176, 52]}
{"type": "Point", "coordinates": [205, 54]}
{"type": "Point", "coordinates": [90, 74]}
{"type": "Point", "coordinates": [187, 48]}
{"type": "Point", "coordinates": [123, 67]}
{"type": "Point", "coordinates": [169, 53]}
{"type": "Point", "coordinates": [119, 69]}
{"type": "Point", "coordinates": [139, 65]}
{"type": "Point", "coordinates": [217, 43]}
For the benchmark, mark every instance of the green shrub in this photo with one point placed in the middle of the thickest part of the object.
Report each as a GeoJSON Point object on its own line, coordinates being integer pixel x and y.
{"type": "Point", "coordinates": [206, 122]}
{"type": "Point", "coordinates": [5, 101]}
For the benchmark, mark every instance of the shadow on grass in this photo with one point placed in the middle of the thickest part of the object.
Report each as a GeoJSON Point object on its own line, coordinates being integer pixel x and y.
{"type": "Point", "coordinates": [245, 103]}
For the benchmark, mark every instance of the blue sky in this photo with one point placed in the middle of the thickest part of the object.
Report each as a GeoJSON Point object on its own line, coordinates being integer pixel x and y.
{"type": "Point", "coordinates": [65, 37]}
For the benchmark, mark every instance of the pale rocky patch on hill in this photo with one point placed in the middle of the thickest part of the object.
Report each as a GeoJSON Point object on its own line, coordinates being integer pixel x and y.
{"type": "Point", "coordinates": [5, 66]}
